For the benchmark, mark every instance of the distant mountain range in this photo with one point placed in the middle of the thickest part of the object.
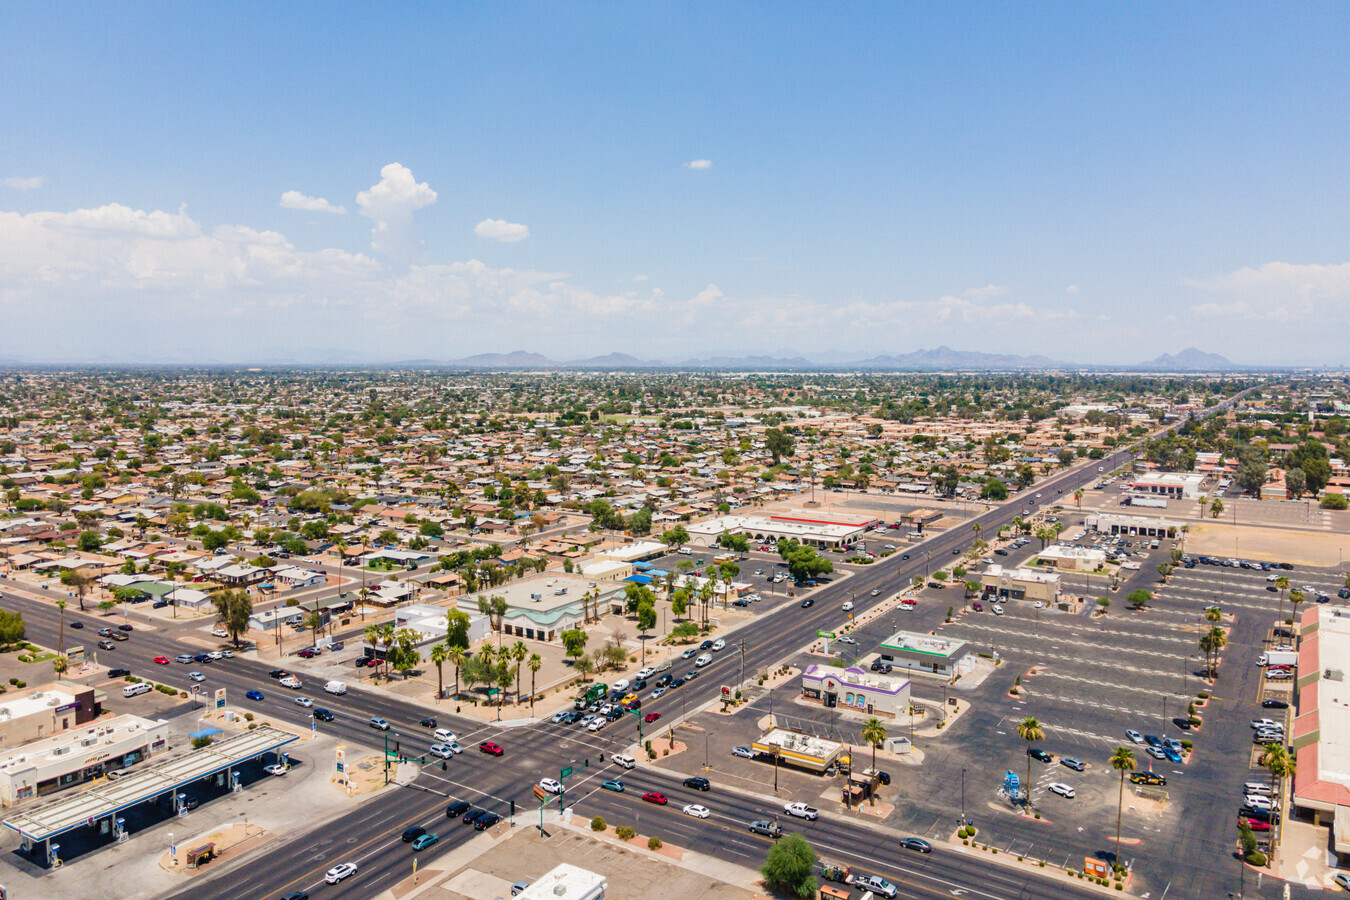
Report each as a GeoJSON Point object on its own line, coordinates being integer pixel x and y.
{"type": "Point", "coordinates": [938, 359]}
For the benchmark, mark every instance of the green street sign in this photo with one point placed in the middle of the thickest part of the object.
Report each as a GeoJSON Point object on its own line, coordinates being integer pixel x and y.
{"type": "Point", "coordinates": [565, 774]}
{"type": "Point", "coordinates": [825, 634]}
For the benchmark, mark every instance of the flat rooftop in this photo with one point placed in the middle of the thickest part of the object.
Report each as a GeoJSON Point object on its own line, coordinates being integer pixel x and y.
{"type": "Point", "coordinates": [1022, 574]}
{"type": "Point", "coordinates": [112, 797]}
{"type": "Point", "coordinates": [518, 593]}
{"type": "Point", "coordinates": [88, 738]}
{"type": "Point", "coordinates": [790, 741]}
{"type": "Point", "coordinates": [35, 702]}
{"type": "Point", "coordinates": [929, 644]}
{"type": "Point", "coordinates": [1333, 698]}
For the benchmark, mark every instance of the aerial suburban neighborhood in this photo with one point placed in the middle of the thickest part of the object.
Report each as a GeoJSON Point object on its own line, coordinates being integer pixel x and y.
{"type": "Point", "coordinates": [679, 451]}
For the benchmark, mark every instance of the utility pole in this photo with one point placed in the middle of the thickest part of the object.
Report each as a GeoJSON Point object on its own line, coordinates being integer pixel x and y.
{"type": "Point", "coordinates": [741, 645]}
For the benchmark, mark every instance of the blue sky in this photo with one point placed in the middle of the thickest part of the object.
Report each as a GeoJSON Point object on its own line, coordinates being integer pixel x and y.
{"type": "Point", "coordinates": [1096, 183]}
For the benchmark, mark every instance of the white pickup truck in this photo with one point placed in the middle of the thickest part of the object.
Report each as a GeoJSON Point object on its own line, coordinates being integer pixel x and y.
{"type": "Point", "coordinates": [801, 811]}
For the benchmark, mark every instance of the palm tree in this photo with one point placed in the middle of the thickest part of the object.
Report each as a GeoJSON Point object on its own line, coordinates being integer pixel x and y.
{"type": "Point", "coordinates": [1213, 615]}
{"type": "Point", "coordinates": [518, 654]}
{"type": "Point", "coordinates": [457, 658]}
{"type": "Point", "coordinates": [1283, 584]}
{"type": "Point", "coordinates": [487, 655]}
{"type": "Point", "coordinates": [1218, 640]}
{"type": "Point", "coordinates": [1122, 761]}
{"type": "Point", "coordinates": [1030, 731]}
{"type": "Point", "coordinates": [1295, 598]}
{"type": "Point", "coordinates": [874, 733]}
{"type": "Point", "coordinates": [1078, 497]}
{"type": "Point", "coordinates": [387, 638]}
{"type": "Point", "coordinates": [534, 662]}
{"type": "Point", "coordinates": [60, 664]}
{"type": "Point", "coordinates": [439, 654]}
{"type": "Point", "coordinates": [1203, 501]}
{"type": "Point", "coordinates": [1280, 765]}
{"type": "Point", "coordinates": [977, 528]}
{"type": "Point", "coordinates": [61, 635]}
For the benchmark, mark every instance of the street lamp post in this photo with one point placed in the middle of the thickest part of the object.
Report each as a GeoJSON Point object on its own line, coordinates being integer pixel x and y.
{"type": "Point", "coordinates": [963, 796]}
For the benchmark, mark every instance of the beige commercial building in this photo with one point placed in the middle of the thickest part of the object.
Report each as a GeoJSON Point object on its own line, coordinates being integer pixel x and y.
{"type": "Point", "coordinates": [1020, 584]}
{"type": "Point", "coordinates": [78, 755]}
{"type": "Point", "coordinates": [31, 714]}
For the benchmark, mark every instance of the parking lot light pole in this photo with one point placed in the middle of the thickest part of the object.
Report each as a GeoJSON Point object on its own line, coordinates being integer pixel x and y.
{"type": "Point", "coordinates": [963, 796]}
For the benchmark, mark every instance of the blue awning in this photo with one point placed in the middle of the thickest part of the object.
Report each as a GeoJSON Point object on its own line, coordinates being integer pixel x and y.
{"type": "Point", "coordinates": [639, 579]}
{"type": "Point", "coordinates": [204, 733]}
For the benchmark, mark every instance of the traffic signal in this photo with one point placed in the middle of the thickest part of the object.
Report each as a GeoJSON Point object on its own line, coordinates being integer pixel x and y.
{"type": "Point", "coordinates": [513, 808]}
{"type": "Point", "coordinates": [442, 765]}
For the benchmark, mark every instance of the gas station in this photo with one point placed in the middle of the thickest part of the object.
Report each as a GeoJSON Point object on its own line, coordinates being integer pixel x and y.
{"type": "Point", "coordinates": [100, 815]}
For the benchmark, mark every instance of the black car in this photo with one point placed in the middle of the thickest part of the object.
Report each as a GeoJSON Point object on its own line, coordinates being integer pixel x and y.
{"type": "Point", "coordinates": [665, 680]}
{"type": "Point", "coordinates": [296, 895]}
{"type": "Point", "coordinates": [884, 777]}
{"type": "Point", "coordinates": [1038, 754]}
{"type": "Point", "coordinates": [1260, 815]}
{"type": "Point", "coordinates": [413, 834]}
{"type": "Point", "coordinates": [698, 783]}
{"type": "Point", "coordinates": [160, 604]}
{"type": "Point", "coordinates": [118, 673]}
{"type": "Point", "coordinates": [677, 682]}
{"type": "Point", "coordinates": [1183, 724]}
{"type": "Point", "coordinates": [706, 645]}
{"type": "Point", "coordinates": [807, 603]}
{"type": "Point", "coordinates": [639, 685]}
{"type": "Point", "coordinates": [472, 815]}
{"type": "Point", "coordinates": [277, 673]}
{"type": "Point", "coordinates": [919, 845]}
{"type": "Point", "coordinates": [956, 551]}
{"type": "Point", "coordinates": [428, 722]}
{"type": "Point", "coordinates": [76, 624]}
{"type": "Point", "coordinates": [1267, 704]}
{"type": "Point", "coordinates": [322, 714]}
{"type": "Point", "coordinates": [457, 809]}
{"type": "Point", "coordinates": [486, 821]}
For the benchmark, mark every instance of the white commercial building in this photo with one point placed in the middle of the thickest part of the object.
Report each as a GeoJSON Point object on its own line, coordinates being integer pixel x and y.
{"type": "Point", "coordinates": [1073, 559]}
{"type": "Point", "coordinates": [813, 530]}
{"type": "Point", "coordinates": [1321, 732]}
{"type": "Point", "coordinates": [78, 755]}
{"type": "Point", "coordinates": [1173, 485]}
{"type": "Point", "coordinates": [1020, 584]}
{"type": "Point", "coordinates": [566, 882]}
{"type": "Point", "coordinates": [1133, 526]}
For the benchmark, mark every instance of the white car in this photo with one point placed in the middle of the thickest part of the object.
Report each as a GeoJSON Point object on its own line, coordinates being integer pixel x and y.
{"type": "Point", "coordinates": [1059, 787]}
{"type": "Point", "coordinates": [219, 632]}
{"type": "Point", "coordinates": [455, 748]}
{"type": "Point", "coordinates": [558, 717]}
{"type": "Point", "coordinates": [339, 872]}
{"type": "Point", "coordinates": [550, 785]}
{"type": "Point", "coordinates": [587, 719]}
{"type": "Point", "coordinates": [441, 750]}
{"type": "Point", "coordinates": [1040, 604]}
{"type": "Point", "coordinates": [228, 654]}
{"type": "Point", "coordinates": [1256, 801]}
{"type": "Point", "coordinates": [743, 752]}
{"type": "Point", "coordinates": [290, 681]}
{"type": "Point", "coordinates": [998, 610]}
{"type": "Point", "coordinates": [703, 660]}
{"type": "Point", "coordinates": [196, 676]}
{"type": "Point", "coordinates": [698, 812]}
{"type": "Point", "coordinates": [876, 592]}
{"type": "Point", "coordinates": [1134, 736]}
{"type": "Point", "coordinates": [719, 644]}
{"type": "Point", "coordinates": [216, 654]}
{"type": "Point", "coordinates": [620, 685]}
{"type": "Point", "coordinates": [848, 605]}
{"type": "Point", "coordinates": [305, 702]}
{"type": "Point", "coordinates": [597, 725]}
{"type": "Point", "coordinates": [275, 769]}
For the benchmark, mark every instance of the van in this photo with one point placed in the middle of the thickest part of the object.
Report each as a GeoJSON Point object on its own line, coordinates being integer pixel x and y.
{"type": "Point", "coordinates": [336, 687]}
{"type": "Point", "coordinates": [132, 690]}
{"type": "Point", "coordinates": [685, 551]}
{"type": "Point", "coordinates": [622, 760]}
{"type": "Point", "coordinates": [1256, 787]}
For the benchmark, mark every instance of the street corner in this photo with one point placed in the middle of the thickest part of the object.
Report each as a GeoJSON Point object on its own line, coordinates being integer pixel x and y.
{"type": "Point", "coordinates": [205, 853]}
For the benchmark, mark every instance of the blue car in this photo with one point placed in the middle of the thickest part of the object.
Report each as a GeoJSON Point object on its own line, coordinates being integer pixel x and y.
{"type": "Point", "coordinates": [254, 695]}
{"type": "Point", "coordinates": [1172, 755]}
{"type": "Point", "coordinates": [613, 784]}
{"type": "Point", "coordinates": [424, 841]}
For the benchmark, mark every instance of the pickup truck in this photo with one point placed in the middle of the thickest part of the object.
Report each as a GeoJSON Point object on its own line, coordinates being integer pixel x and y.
{"type": "Point", "coordinates": [874, 883]}
{"type": "Point", "coordinates": [801, 811]}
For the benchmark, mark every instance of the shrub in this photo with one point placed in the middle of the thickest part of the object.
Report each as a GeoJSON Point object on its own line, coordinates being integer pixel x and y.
{"type": "Point", "coordinates": [1187, 745]}
{"type": "Point", "coordinates": [1038, 815]}
{"type": "Point", "coordinates": [966, 842]}
{"type": "Point", "coordinates": [248, 717]}
{"type": "Point", "coordinates": [1203, 695]}
{"type": "Point", "coordinates": [21, 684]}
{"type": "Point", "coordinates": [624, 833]}
{"type": "Point", "coordinates": [15, 681]}
{"type": "Point", "coordinates": [598, 824]}
{"type": "Point", "coordinates": [1256, 858]}
{"type": "Point", "coordinates": [1195, 720]}
{"type": "Point", "coordinates": [252, 725]}
{"type": "Point", "coordinates": [654, 843]}
{"type": "Point", "coordinates": [200, 742]}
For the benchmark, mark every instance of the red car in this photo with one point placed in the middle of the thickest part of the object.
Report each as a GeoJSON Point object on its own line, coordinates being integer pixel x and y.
{"type": "Point", "coordinates": [162, 660]}
{"type": "Point", "coordinates": [651, 717]}
{"type": "Point", "coordinates": [655, 797]}
{"type": "Point", "coordinates": [489, 747]}
{"type": "Point", "coordinates": [1258, 825]}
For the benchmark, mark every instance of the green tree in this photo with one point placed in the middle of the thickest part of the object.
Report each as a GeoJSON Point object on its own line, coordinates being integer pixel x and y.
{"type": "Point", "coordinates": [1296, 481]}
{"type": "Point", "coordinates": [534, 663]}
{"type": "Point", "coordinates": [1333, 501]}
{"type": "Point", "coordinates": [457, 657]}
{"type": "Point", "coordinates": [1280, 765]}
{"type": "Point", "coordinates": [994, 490]}
{"type": "Point", "coordinates": [790, 867]}
{"type": "Point", "coordinates": [1139, 598]}
{"type": "Point", "coordinates": [457, 630]}
{"type": "Point", "coordinates": [675, 537]}
{"type": "Point", "coordinates": [518, 653]}
{"type": "Point", "coordinates": [779, 444]}
{"type": "Point", "coordinates": [646, 616]}
{"type": "Point", "coordinates": [213, 541]}
{"type": "Point", "coordinates": [12, 630]}
{"type": "Point", "coordinates": [233, 608]}
{"type": "Point", "coordinates": [1215, 508]}
{"type": "Point", "coordinates": [1030, 731]}
{"type": "Point", "coordinates": [679, 603]}
{"type": "Point", "coordinates": [1122, 760]}
{"type": "Point", "coordinates": [574, 642]}
{"type": "Point", "coordinates": [90, 541]}
{"type": "Point", "coordinates": [79, 582]}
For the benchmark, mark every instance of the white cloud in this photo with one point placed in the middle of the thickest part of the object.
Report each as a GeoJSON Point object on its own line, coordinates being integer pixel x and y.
{"type": "Point", "coordinates": [297, 200]}
{"type": "Point", "coordinates": [1071, 289]}
{"type": "Point", "coordinates": [24, 184]}
{"type": "Point", "coordinates": [390, 204]}
{"type": "Point", "coordinates": [639, 278]}
{"type": "Point", "coordinates": [501, 230]}
{"type": "Point", "coordinates": [1277, 291]}
{"type": "Point", "coordinates": [698, 164]}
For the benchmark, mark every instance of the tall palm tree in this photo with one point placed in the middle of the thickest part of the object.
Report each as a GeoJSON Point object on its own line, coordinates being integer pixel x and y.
{"type": "Point", "coordinates": [1213, 615]}
{"type": "Point", "coordinates": [534, 662]}
{"type": "Point", "coordinates": [1030, 731]}
{"type": "Point", "coordinates": [1280, 765]}
{"type": "Point", "coordinates": [977, 528]}
{"type": "Point", "coordinates": [1218, 640]}
{"type": "Point", "coordinates": [1283, 584]}
{"type": "Point", "coordinates": [387, 638]}
{"type": "Point", "coordinates": [874, 733]}
{"type": "Point", "coordinates": [457, 658]}
{"type": "Point", "coordinates": [1295, 598]}
{"type": "Point", "coordinates": [487, 655]}
{"type": "Point", "coordinates": [439, 654]}
{"type": "Point", "coordinates": [518, 654]}
{"type": "Point", "coordinates": [1203, 501]}
{"type": "Point", "coordinates": [1078, 497]}
{"type": "Point", "coordinates": [372, 635]}
{"type": "Point", "coordinates": [1122, 760]}
{"type": "Point", "coordinates": [61, 635]}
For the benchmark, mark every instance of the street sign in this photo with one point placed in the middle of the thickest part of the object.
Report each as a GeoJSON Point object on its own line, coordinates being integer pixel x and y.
{"type": "Point", "coordinates": [565, 774]}
{"type": "Point", "coordinates": [825, 634]}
